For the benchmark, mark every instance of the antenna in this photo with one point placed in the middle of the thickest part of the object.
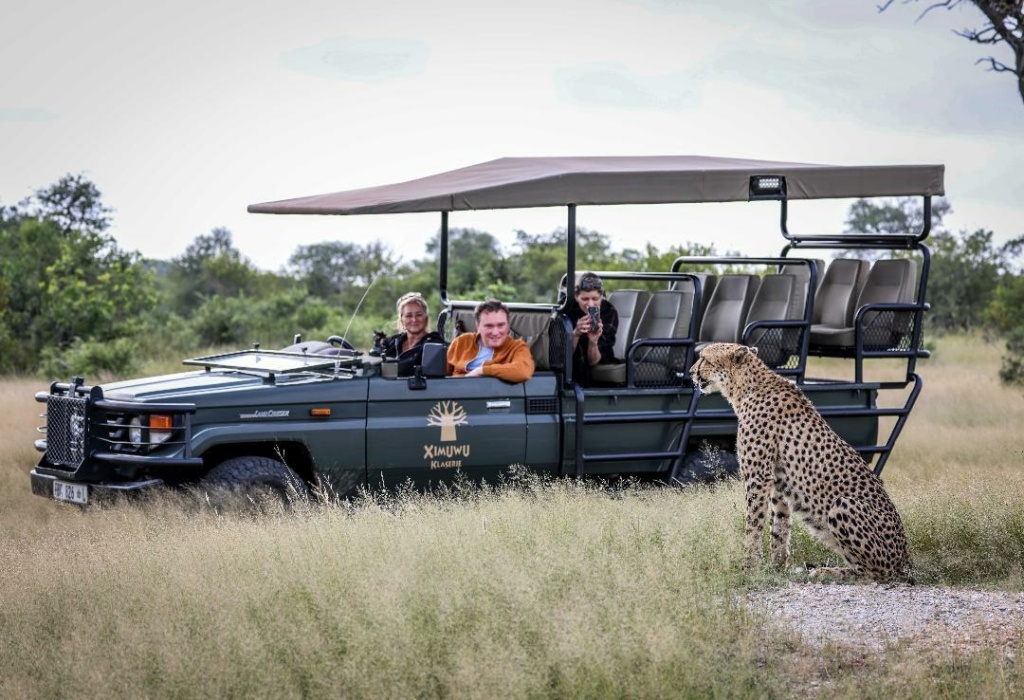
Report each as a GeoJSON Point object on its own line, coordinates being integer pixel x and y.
{"type": "Point", "coordinates": [337, 363]}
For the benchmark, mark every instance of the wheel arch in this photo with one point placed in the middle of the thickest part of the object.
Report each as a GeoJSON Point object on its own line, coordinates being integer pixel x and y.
{"type": "Point", "coordinates": [293, 453]}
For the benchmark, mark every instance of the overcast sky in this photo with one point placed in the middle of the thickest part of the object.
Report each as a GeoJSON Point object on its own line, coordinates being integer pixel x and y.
{"type": "Point", "coordinates": [184, 113]}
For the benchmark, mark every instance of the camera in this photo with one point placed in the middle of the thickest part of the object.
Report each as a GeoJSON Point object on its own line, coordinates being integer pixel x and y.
{"type": "Point", "coordinates": [595, 316]}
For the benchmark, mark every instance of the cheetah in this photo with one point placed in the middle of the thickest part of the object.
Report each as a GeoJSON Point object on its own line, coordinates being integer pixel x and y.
{"type": "Point", "coordinates": [788, 454]}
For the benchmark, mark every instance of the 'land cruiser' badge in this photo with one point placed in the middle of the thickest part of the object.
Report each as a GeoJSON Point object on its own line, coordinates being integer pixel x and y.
{"type": "Point", "coordinates": [265, 414]}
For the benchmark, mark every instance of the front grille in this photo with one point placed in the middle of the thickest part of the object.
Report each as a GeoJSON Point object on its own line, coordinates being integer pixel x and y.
{"type": "Point", "coordinates": [67, 431]}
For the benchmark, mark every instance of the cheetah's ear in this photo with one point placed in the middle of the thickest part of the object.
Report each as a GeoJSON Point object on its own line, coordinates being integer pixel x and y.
{"type": "Point", "coordinates": [740, 354]}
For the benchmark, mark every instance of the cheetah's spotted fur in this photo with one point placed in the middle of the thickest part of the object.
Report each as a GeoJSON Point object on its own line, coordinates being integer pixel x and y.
{"type": "Point", "coordinates": [791, 457]}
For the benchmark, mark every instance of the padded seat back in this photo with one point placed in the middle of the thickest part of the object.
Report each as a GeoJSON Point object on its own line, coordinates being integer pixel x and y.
{"type": "Point", "coordinates": [707, 286]}
{"type": "Point", "coordinates": [532, 326]}
{"type": "Point", "coordinates": [459, 321]}
{"type": "Point", "coordinates": [726, 314]}
{"type": "Point", "coordinates": [630, 305]}
{"type": "Point", "coordinates": [666, 315]}
{"type": "Point", "coordinates": [889, 282]}
{"type": "Point", "coordinates": [835, 301]}
{"type": "Point", "coordinates": [802, 275]}
{"type": "Point", "coordinates": [772, 299]}
{"type": "Point", "coordinates": [773, 302]}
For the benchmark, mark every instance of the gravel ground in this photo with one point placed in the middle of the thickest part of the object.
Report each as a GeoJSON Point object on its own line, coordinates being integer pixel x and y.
{"type": "Point", "coordinates": [869, 617]}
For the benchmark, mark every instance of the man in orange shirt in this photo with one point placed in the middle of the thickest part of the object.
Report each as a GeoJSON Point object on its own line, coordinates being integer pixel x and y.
{"type": "Point", "coordinates": [490, 352]}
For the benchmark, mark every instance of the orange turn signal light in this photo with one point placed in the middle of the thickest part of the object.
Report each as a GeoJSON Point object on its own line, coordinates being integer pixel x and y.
{"type": "Point", "coordinates": [320, 412]}
{"type": "Point", "coordinates": [160, 422]}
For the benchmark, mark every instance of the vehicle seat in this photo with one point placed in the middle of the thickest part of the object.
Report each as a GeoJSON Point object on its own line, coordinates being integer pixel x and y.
{"type": "Point", "coordinates": [667, 315]}
{"type": "Point", "coordinates": [532, 327]}
{"type": "Point", "coordinates": [773, 301]}
{"type": "Point", "coordinates": [630, 305]}
{"type": "Point", "coordinates": [888, 282]}
{"type": "Point", "coordinates": [802, 275]}
{"type": "Point", "coordinates": [707, 287]}
{"type": "Point", "coordinates": [727, 310]}
{"type": "Point", "coordinates": [457, 322]}
{"type": "Point", "coordinates": [836, 302]}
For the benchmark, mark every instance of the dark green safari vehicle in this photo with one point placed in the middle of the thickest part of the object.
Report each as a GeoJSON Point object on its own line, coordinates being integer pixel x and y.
{"type": "Point", "coordinates": [322, 412]}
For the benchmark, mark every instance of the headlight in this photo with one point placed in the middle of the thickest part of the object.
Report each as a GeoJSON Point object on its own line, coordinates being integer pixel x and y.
{"type": "Point", "coordinates": [159, 429]}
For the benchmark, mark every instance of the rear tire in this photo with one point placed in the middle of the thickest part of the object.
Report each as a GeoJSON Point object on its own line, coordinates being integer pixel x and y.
{"type": "Point", "coordinates": [257, 476]}
{"type": "Point", "coordinates": [704, 467]}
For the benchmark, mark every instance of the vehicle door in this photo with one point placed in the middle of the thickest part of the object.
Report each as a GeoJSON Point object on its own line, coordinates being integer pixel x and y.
{"type": "Point", "coordinates": [473, 424]}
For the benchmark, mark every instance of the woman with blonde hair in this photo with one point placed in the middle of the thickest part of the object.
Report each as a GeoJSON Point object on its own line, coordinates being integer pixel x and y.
{"type": "Point", "coordinates": [413, 331]}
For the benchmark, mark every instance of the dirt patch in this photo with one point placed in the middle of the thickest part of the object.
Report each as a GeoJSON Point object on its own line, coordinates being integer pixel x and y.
{"type": "Point", "coordinates": [872, 617]}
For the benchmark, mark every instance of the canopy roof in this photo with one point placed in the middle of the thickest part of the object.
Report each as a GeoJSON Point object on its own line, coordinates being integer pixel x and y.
{"type": "Point", "coordinates": [509, 183]}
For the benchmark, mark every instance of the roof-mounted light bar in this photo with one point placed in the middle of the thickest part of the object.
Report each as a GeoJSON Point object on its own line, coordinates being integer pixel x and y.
{"type": "Point", "coordinates": [767, 187]}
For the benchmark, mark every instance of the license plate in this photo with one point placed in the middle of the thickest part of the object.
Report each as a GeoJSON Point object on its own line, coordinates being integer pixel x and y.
{"type": "Point", "coordinates": [75, 493]}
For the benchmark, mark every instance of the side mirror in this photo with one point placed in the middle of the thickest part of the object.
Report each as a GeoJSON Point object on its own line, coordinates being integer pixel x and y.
{"type": "Point", "coordinates": [434, 361]}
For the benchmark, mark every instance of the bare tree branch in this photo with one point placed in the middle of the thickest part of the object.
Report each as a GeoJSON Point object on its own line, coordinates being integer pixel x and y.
{"type": "Point", "coordinates": [1005, 26]}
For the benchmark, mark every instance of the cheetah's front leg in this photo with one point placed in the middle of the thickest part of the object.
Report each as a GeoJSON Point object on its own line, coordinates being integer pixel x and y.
{"type": "Point", "coordinates": [758, 490]}
{"type": "Point", "coordinates": [781, 521]}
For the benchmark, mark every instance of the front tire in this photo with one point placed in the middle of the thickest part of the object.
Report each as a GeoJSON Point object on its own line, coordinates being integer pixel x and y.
{"type": "Point", "coordinates": [254, 476]}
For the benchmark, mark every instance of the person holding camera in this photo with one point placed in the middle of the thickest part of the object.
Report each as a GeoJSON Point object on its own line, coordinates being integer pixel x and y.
{"type": "Point", "coordinates": [595, 323]}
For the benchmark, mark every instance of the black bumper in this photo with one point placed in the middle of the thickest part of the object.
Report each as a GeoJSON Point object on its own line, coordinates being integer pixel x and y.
{"type": "Point", "coordinates": [42, 485]}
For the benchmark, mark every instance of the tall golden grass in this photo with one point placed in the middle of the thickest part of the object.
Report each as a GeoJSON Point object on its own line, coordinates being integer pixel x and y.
{"type": "Point", "coordinates": [534, 589]}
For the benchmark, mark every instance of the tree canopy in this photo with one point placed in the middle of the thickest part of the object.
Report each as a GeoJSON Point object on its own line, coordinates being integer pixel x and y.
{"type": "Point", "coordinates": [64, 279]}
{"type": "Point", "coordinates": [72, 300]}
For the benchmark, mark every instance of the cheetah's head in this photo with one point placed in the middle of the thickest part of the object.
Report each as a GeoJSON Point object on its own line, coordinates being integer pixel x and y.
{"type": "Point", "coordinates": [712, 372]}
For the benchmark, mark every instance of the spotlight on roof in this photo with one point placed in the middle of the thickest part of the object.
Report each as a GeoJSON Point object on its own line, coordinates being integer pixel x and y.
{"type": "Point", "coordinates": [767, 187]}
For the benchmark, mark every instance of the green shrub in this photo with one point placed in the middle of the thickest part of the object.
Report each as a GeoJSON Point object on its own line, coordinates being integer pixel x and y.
{"type": "Point", "coordinates": [91, 359]}
{"type": "Point", "coordinates": [1012, 369]}
{"type": "Point", "coordinates": [224, 321]}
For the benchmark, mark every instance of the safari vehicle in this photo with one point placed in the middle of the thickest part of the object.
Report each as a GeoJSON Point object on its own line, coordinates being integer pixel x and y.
{"type": "Point", "coordinates": [320, 411]}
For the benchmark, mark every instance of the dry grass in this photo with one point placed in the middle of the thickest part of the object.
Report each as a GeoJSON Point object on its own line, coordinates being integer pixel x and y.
{"type": "Point", "coordinates": [21, 514]}
{"type": "Point", "coordinates": [541, 590]}
{"type": "Point", "coordinates": [966, 421]}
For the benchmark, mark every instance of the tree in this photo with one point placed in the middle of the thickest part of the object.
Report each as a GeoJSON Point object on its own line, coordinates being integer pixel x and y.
{"type": "Point", "coordinates": [73, 203]}
{"type": "Point", "coordinates": [475, 260]}
{"type": "Point", "coordinates": [64, 279]}
{"type": "Point", "coordinates": [1005, 313]}
{"type": "Point", "coordinates": [212, 266]}
{"type": "Point", "coordinates": [93, 290]}
{"type": "Point", "coordinates": [330, 268]}
{"type": "Point", "coordinates": [900, 215]}
{"type": "Point", "coordinates": [1004, 25]}
{"type": "Point", "coordinates": [965, 272]}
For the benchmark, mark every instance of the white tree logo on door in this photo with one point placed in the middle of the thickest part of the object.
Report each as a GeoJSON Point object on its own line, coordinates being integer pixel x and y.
{"type": "Point", "coordinates": [447, 415]}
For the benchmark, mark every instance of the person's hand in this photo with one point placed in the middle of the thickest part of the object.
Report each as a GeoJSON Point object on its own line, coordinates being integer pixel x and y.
{"type": "Point", "coordinates": [595, 333]}
{"type": "Point", "coordinates": [582, 326]}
